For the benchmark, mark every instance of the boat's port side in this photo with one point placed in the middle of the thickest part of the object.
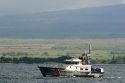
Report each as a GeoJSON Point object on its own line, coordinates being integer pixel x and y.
{"type": "Point", "coordinates": [58, 72]}
{"type": "Point", "coordinates": [49, 71]}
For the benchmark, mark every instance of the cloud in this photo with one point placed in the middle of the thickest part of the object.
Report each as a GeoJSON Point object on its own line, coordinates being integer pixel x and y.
{"type": "Point", "coordinates": [93, 3]}
{"type": "Point", "coordinates": [27, 6]}
{"type": "Point", "coordinates": [123, 1]}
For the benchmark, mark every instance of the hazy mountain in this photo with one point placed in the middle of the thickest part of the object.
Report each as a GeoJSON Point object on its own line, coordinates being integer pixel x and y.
{"type": "Point", "coordinates": [102, 22]}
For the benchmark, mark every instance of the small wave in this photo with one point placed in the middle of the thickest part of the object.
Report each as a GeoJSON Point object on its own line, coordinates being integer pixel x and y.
{"type": "Point", "coordinates": [113, 77]}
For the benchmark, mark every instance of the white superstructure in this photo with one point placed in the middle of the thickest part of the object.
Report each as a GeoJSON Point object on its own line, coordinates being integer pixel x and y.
{"type": "Point", "coordinates": [76, 65]}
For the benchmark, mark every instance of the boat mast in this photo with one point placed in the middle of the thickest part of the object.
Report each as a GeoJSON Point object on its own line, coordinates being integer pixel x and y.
{"type": "Point", "coordinates": [86, 55]}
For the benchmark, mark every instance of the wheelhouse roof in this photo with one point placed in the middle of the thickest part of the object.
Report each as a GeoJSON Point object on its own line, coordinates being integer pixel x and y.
{"type": "Point", "coordinates": [74, 60]}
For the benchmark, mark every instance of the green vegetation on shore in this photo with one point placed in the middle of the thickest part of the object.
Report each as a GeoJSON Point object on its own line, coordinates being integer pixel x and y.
{"type": "Point", "coordinates": [31, 59]}
{"type": "Point", "coordinates": [101, 57]}
{"type": "Point", "coordinates": [104, 51]}
{"type": "Point", "coordinates": [114, 60]}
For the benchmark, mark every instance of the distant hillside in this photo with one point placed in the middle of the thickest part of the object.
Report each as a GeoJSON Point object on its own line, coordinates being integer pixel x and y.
{"type": "Point", "coordinates": [98, 22]}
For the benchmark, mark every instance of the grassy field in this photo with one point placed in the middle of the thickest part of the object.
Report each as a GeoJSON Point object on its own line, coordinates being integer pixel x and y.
{"type": "Point", "coordinates": [102, 49]}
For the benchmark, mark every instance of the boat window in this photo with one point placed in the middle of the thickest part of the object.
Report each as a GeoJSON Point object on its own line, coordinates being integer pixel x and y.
{"type": "Point", "coordinates": [86, 68]}
{"type": "Point", "coordinates": [68, 62]}
{"type": "Point", "coordinates": [81, 68]}
{"type": "Point", "coordinates": [76, 62]}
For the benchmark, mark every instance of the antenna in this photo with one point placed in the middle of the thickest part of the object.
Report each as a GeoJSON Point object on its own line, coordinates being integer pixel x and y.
{"type": "Point", "coordinates": [86, 55]}
{"type": "Point", "coordinates": [90, 49]}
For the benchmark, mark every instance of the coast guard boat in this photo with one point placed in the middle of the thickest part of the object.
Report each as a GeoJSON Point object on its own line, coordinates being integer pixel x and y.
{"type": "Point", "coordinates": [75, 67]}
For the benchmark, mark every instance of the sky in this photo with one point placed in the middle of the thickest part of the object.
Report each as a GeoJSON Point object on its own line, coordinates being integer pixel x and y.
{"type": "Point", "coordinates": [8, 7]}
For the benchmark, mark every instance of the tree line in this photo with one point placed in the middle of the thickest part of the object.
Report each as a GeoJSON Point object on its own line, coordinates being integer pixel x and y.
{"type": "Point", "coordinates": [26, 59]}
{"type": "Point", "coordinates": [113, 60]}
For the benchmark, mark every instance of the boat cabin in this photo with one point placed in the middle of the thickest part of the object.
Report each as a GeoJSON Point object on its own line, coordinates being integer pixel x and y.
{"type": "Point", "coordinates": [73, 62]}
{"type": "Point", "coordinates": [76, 65]}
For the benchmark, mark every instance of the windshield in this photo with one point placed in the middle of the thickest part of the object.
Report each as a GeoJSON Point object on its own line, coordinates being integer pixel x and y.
{"type": "Point", "coordinates": [69, 62]}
